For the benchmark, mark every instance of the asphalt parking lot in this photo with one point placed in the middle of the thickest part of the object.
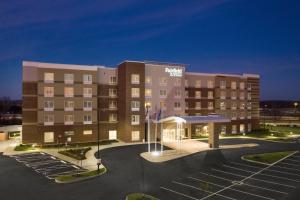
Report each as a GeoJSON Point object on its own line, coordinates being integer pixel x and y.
{"type": "Point", "coordinates": [47, 165]}
{"type": "Point", "coordinates": [238, 180]}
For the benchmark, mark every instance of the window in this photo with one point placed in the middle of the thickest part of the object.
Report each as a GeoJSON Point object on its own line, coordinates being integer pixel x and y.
{"type": "Point", "coordinates": [249, 86]}
{"type": "Point", "coordinates": [249, 95]}
{"type": "Point", "coordinates": [210, 84]}
{"type": "Point", "coordinates": [48, 77]}
{"type": "Point", "coordinates": [148, 80]}
{"type": "Point", "coordinates": [48, 106]}
{"type": "Point", "coordinates": [48, 120]}
{"type": "Point", "coordinates": [210, 105]}
{"type": "Point", "coordinates": [87, 105]}
{"type": "Point", "coordinates": [177, 93]}
{"type": "Point", "coordinates": [223, 84]}
{"type": "Point", "coordinates": [112, 105]}
{"type": "Point", "coordinates": [249, 105]}
{"type": "Point", "coordinates": [222, 105]}
{"type": "Point", "coordinates": [242, 85]}
{"type": "Point", "coordinates": [69, 119]}
{"type": "Point", "coordinates": [233, 105]}
{"type": "Point", "coordinates": [223, 129]}
{"type": "Point", "coordinates": [177, 105]}
{"type": "Point", "coordinates": [187, 105]}
{"type": "Point", "coordinates": [186, 93]}
{"type": "Point", "coordinates": [233, 95]}
{"type": "Point", "coordinates": [135, 79]}
{"type": "Point", "coordinates": [48, 91]}
{"type": "Point", "coordinates": [112, 80]}
{"type": "Point", "coordinates": [112, 117]}
{"type": "Point", "coordinates": [87, 79]}
{"type": "Point", "coordinates": [135, 119]}
{"type": "Point", "coordinates": [198, 94]}
{"type": "Point", "coordinates": [242, 128]}
{"type": "Point", "coordinates": [87, 92]}
{"type": "Point", "coordinates": [163, 81]}
{"type": "Point", "coordinates": [233, 115]}
{"type": "Point", "coordinates": [135, 135]}
{"type": "Point", "coordinates": [198, 105]}
{"type": "Point", "coordinates": [242, 115]}
{"type": "Point", "coordinates": [148, 92]}
{"type": "Point", "coordinates": [242, 95]}
{"type": "Point", "coordinates": [69, 133]}
{"type": "Point", "coordinates": [87, 132]}
{"type": "Point", "coordinates": [177, 82]}
{"type": "Point", "coordinates": [233, 85]}
{"type": "Point", "coordinates": [233, 129]}
{"type": "Point", "coordinates": [249, 115]}
{"type": "Point", "coordinates": [162, 93]}
{"type": "Point", "coordinates": [210, 95]}
{"type": "Point", "coordinates": [69, 78]}
{"type": "Point", "coordinates": [242, 105]}
{"type": "Point", "coordinates": [223, 94]}
{"type": "Point", "coordinates": [249, 127]}
{"type": "Point", "coordinates": [135, 105]}
{"type": "Point", "coordinates": [48, 137]}
{"type": "Point", "coordinates": [69, 92]}
{"type": "Point", "coordinates": [87, 119]}
{"type": "Point", "coordinates": [162, 105]}
{"type": "Point", "coordinates": [135, 92]}
{"type": "Point", "coordinates": [112, 92]}
{"type": "Point", "coordinates": [198, 84]}
{"type": "Point", "coordinates": [69, 105]}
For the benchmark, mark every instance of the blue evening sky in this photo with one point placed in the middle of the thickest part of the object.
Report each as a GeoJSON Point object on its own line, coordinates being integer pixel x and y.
{"type": "Point", "coordinates": [226, 36]}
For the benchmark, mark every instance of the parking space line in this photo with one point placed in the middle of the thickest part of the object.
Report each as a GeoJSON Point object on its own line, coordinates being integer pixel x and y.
{"type": "Point", "coordinates": [289, 164]}
{"type": "Point", "coordinates": [193, 187]}
{"type": "Point", "coordinates": [271, 170]}
{"type": "Point", "coordinates": [254, 186]}
{"type": "Point", "coordinates": [179, 193]}
{"type": "Point", "coordinates": [286, 168]}
{"type": "Point", "coordinates": [248, 193]}
{"type": "Point", "coordinates": [273, 176]}
{"type": "Point", "coordinates": [298, 161]}
{"type": "Point", "coordinates": [275, 183]}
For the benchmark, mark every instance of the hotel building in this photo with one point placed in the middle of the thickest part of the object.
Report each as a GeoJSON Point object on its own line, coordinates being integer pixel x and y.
{"type": "Point", "coordinates": [71, 103]}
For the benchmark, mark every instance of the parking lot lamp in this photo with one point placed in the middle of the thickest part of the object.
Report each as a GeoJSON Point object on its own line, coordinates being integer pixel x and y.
{"type": "Point", "coordinates": [147, 105]}
{"type": "Point", "coordinates": [296, 104]}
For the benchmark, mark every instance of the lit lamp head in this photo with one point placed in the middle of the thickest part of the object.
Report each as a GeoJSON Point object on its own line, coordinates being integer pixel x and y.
{"type": "Point", "coordinates": [296, 104]}
{"type": "Point", "coordinates": [147, 105]}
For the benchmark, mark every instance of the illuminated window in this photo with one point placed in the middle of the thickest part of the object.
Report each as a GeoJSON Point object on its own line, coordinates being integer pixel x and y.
{"type": "Point", "coordinates": [135, 92]}
{"type": "Point", "coordinates": [162, 105]}
{"type": "Point", "coordinates": [48, 77]}
{"type": "Point", "coordinates": [135, 119]}
{"type": "Point", "coordinates": [210, 94]}
{"type": "Point", "coordinates": [242, 85]}
{"type": "Point", "coordinates": [48, 91]}
{"type": "Point", "coordinates": [135, 79]}
{"type": "Point", "coordinates": [233, 129]}
{"type": "Point", "coordinates": [69, 92]}
{"type": "Point", "coordinates": [210, 84]}
{"type": "Point", "coordinates": [233, 85]}
{"type": "Point", "coordinates": [87, 79]}
{"type": "Point", "coordinates": [198, 94]}
{"type": "Point", "coordinates": [242, 128]}
{"type": "Point", "coordinates": [198, 84]}
{"type": "Point", "coordinates": [87, 92]}
{"type": "Point", "coordinates": [148, 92]}
{"type": "Point", "coordinates": [148, 80]}
{"type": "Point", "coordinates": [198, 105]}
{"type": "Point", "coordinates": [135, 135]}
{"type": "Point", "coordinates": [112, 117]}
{"type": "Point", "coordinates": [48, 137]}
{"type": "Point", "coordinates": [87, 132]}
{"type": "Point", "coordinates": [69, 78]}
{"type": "Point", "coordinates": [249, 95]}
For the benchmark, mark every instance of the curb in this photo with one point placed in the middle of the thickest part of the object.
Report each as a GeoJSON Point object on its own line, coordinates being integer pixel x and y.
{"type": "Point", "coordinates": [80, 179]}
{"type": "Point", "coordinates": [257, 162]}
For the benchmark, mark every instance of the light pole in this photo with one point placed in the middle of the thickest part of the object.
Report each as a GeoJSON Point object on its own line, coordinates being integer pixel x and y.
{"type": "Point", "coordinates": [98, 140]}
{"type": "Point", "coordinates": [147, 105]}
{"type": "Point", "coordinates": [296, 104]}
{"type": "Point", "coordinates": [265, 117]}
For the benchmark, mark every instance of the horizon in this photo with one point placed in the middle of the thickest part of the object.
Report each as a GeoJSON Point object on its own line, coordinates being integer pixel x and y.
{"type": "Point", "coordinates": [217, 36]}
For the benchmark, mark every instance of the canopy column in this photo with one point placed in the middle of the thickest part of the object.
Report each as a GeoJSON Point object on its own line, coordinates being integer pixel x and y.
{"type": "Point", "coordinates": [213, 138]}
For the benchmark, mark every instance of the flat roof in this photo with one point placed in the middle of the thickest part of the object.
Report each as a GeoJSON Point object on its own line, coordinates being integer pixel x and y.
{"type": "Point", "coordinates": [61, 66]}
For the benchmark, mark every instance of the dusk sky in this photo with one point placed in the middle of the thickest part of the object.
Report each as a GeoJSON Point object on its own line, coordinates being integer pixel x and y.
{"type": "Point", "coordinates": [224, 36]}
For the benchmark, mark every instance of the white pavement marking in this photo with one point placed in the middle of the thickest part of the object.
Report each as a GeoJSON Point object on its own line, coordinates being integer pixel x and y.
{"type": "Point", "coordinates": [196, 188]}
{"type": "Point", "coordinates": [251, 176]}
{"type": "Point", "coordinates": [288, 168]}
{"type": "Point", "coordinates": [271, 182]}
{"type": "Point", "coordinates": [298, 161]}
{"type": "Point", "coordinates": [179, 193]}
{"type": "Point", "coordinates": [289, 164]}
{"type": "Point", "coordinates": [271, 170]}
{"type": "Point", "coordinates": [248, 193]}
{"type": "Point", "coordinates": [273, 176]}
{"type": "Point", "coordinates": [254, 186]}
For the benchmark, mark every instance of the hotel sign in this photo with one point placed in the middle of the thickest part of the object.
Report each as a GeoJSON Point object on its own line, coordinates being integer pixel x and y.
{"type": "Point", "coordinates": [174, 72]}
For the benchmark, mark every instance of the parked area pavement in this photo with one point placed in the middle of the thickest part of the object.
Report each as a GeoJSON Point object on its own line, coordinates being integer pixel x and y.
{"type": "Point", "coordinates": [47, 165]}
{"type": "Point", "coordinates": [128, 172]}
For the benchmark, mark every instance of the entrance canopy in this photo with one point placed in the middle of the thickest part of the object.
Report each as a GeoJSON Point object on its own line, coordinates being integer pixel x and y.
{"type": "Point", "coordinates": [195, 119]}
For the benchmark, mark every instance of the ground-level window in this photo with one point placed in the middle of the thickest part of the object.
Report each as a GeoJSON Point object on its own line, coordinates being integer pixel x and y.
{"type": "Point", "coordinates": [48, 137]}
{"type": "Point", "coordinates": [223, 129]}
{"type": "Point", "coordinates": [242, 128]}
{"type": "Point", "coordinates": [233, 129]}
{"type": "Point", "coordinates": [87, 132]}
{"type": "Point", "coordinates": [135, 135]}
{"type": "Point", "coordinates": [249, 127]}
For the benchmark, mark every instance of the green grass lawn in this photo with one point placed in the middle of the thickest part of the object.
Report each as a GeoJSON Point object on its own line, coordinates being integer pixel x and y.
{"type": "Point", "coordinates": [78, 153]}
{"type": "Point", "coordinates": [67, 178]}
{"type": "Point", "coordinates": [25, 147]}
{"type": "Point", "coordinates": [268, 158]}
{"type": "Point", "coordinates": [140, 196]}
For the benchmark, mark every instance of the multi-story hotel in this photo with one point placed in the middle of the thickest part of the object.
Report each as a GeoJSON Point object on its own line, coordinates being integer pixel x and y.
{"type": "Point", "coordinates": [71, 103]}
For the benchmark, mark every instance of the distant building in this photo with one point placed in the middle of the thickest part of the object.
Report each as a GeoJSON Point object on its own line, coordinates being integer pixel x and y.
{"type": "Point", "coordinates": [71, 103]}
